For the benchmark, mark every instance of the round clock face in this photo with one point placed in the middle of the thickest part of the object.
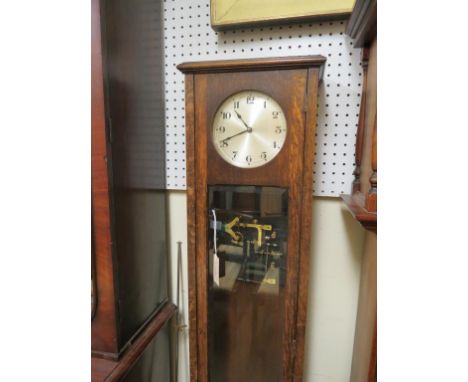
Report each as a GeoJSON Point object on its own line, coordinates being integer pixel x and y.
{"type": "Point", "coordinates": [249, 129]}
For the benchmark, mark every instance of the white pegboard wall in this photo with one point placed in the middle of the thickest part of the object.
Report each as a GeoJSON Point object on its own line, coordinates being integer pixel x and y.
{"type": "Point", "coordinates": [188, 36]}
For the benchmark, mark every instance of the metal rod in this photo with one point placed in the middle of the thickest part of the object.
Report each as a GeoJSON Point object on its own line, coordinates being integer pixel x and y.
{"type": "Point", "coordinates": [179, 323]}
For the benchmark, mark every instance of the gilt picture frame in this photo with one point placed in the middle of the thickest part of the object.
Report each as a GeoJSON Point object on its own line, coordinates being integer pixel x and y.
{"type": "Point", "coordinates": [231, 14]}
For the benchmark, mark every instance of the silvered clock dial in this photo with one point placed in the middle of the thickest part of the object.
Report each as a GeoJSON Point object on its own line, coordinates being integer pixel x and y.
{"type": "Point", "coordinates": [249, 129]}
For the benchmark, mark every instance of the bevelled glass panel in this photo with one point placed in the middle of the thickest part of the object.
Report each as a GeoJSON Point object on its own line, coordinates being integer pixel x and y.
{"type": "Point", "coordinates": [247, 241]}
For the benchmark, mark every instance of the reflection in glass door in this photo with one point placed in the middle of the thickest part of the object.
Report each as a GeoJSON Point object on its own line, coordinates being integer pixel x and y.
{"type": "Point", "coordinates": [247, 270]}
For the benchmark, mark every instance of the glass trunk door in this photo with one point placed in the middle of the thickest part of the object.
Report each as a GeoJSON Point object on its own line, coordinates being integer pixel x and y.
{"type": "Point", "coordinates": [247, 237]}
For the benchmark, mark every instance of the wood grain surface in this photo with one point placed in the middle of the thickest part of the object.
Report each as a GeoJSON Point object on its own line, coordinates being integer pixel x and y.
{"type": "Point", "coordinates": [191, 224]}
{"type": "Point", "coordinates": [364, 363]}
{"type": "Point", "coordinates": [306, 223]}
{"type": "Point", "coordinates": [104, 326]}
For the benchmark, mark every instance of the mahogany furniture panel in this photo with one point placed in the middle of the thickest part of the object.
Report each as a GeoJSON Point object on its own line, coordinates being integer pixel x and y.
{"type": "Point", "coordinates": [362, 203]}
{"type": "Point", "coordinates": [129, 253]}
{"type": "Point", "coordinates": [104, 325]}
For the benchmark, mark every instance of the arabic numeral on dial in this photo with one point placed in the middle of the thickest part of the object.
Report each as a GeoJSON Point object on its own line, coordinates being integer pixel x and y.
{"type": "Point", "coordinates": [221, 129]}
{"type": "Point", "coordinates": [248, 159]}
{"type": "Point", "coordinates": [264, 104]}
{"type": "Point", "coordinates": [264, 155]}
{"type": "Point", "coordinates": [236, 104]}
{"type": "Point", "coordinates": [224, 144]}
{"type": "Point", "coordinates": [234, 154]}
{"type": "Point", "coordinates": [278, 130]}
{"type": "Point", "coordinates": [275, 114]}
{"type": "Point", "coordinates": [275, 145]}
{"type": "Point", "coordinates": [226, 115]}
{"type": "Point", "coordinates": [250, 99]}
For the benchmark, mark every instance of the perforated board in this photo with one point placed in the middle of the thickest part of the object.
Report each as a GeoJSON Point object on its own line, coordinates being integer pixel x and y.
{"type": "Point", "coordinates": [188, 36]}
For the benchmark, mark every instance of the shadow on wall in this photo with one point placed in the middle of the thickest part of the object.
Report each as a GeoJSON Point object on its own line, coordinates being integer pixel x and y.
{"type": "Point", "coordinates": [335, 265]}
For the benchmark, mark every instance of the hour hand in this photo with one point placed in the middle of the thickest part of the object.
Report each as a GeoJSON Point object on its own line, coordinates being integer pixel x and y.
{"type": "Point", "coordinates": [240, 117]}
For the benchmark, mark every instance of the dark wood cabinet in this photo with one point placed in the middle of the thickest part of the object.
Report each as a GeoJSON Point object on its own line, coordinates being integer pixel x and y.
{"type": "Point", "coordinates": [130, 310]}
{"type": "Point", "coordinates": [362, 202]}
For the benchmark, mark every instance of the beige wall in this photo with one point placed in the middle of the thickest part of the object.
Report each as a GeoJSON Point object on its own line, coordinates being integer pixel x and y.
{"type": "Point", "coordinates": [333, 290]}
{"type": "Point", "coordinates": [337, 246]}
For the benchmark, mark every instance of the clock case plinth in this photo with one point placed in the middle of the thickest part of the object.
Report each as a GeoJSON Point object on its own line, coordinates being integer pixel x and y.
{"type": "Point", "coordinates": [293, 83]}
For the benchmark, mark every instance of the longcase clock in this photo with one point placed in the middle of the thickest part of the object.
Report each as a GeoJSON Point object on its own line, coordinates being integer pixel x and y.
{"type": "Point", "coordinates": [250, 146]}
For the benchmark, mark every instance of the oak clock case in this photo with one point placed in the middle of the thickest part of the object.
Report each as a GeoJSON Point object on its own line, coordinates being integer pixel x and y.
{"type": "Point", "coordinates": [250, 144]}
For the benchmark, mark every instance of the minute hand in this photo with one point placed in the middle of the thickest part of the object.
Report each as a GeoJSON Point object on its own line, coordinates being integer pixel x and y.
{"type": "Point", "coordinates": [235, 135]}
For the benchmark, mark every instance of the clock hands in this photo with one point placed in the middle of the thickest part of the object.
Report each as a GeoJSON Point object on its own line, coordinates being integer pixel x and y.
{"type": "Point", "coordinates": [235, 135]}
{"type": "Point", "coordinates": [249, 129]}
{"type": "Point", "coordinates": [240, 117]}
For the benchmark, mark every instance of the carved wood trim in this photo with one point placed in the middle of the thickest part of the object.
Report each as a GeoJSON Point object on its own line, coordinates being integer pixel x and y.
{"type": "Point", "coordinates": [356, 205]}
{"type": "Point", "coordinates": [371, 202]}
{"type": "Point", "coordinates": [362, 25]}
{"type": "Point", "coordinates": [361, 122]}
